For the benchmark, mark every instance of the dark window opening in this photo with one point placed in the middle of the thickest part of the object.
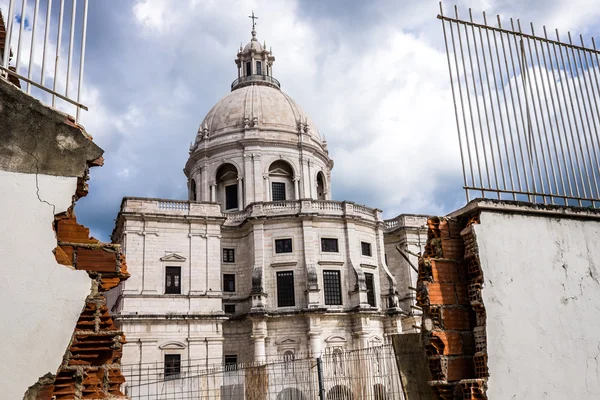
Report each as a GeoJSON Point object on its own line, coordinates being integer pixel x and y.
{"type": "Point", "coordinates": [332, 287]}
{"type": "Point", "coordinates": [385, 258]}
{"type": "Point", "coordinates": [228, 255]}
{"type": "Point", "coordinates": [366, 249]}
{"type": "Point", "coordinates": [229, 308]}
{"type": "Point", "coordinates": [231, 200]}
{"type": "Point", "coordinates": [173, 280]}
{"type": "Point", "coordinates": [369, 280]}
{"type": "Point", "coordinates": [285, 289]}
{"type": "Point", "coordinates": [278, 189]}
{"type": "Point", "coordinates": [231, 362]}
{"type": "Point", "coordinates": [329, 245]}
{"type": "Point", "coordinates": [258, 68]}
{"type": "Point", "coordinates": [283, 246]}
{"type": "Point", "coordinates": [228, 282]}
{"type": "Point", "coordinates": [248, 68]}
{"type": "Point", "coordinates": [193, 190]}
{"type": "Point", "coordinates": [172, 364]}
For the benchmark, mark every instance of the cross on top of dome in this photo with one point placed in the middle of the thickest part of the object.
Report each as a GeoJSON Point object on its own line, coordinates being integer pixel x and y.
{"type": "Point", "coordinates": [255, 63]}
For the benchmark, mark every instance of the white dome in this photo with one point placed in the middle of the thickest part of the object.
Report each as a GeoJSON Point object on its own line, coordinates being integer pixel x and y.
{"type": "Point", "coordinates": [272, 109]}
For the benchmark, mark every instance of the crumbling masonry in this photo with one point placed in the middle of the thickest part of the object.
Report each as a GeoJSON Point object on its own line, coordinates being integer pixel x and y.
{"type": "Point", "coordinates": [449, 292]}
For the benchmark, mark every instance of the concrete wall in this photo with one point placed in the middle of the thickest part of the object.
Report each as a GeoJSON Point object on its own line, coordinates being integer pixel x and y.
{"type": "Point", "coordinates": [41, 300]}
{"type": "Point", "coordinates": [542, 294]}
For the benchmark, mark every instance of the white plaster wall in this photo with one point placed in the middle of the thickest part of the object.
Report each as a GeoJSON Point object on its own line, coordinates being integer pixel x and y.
{"type": "Point", "coordinates": [40, 300]}
{"type": "Point", "coordinates": [542, 296]}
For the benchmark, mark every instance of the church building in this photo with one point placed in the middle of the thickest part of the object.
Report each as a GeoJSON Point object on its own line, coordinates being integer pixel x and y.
{"type": "Point", "coordinates": [260, 263]}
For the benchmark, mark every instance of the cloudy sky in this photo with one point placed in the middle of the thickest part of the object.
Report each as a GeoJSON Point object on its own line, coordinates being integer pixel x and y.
{"type": "Point", "coordinates": [372, 75]}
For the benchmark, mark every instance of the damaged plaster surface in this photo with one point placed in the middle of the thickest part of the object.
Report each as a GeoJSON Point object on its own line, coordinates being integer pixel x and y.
{"type": "Point", "coordinates": [41, 300]}
{"type": "Point", "coordinates": [542, 290]}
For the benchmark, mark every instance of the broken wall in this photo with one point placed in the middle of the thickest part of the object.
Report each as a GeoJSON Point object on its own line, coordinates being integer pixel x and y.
{"type": "Point", "coordinates": [59, 341]}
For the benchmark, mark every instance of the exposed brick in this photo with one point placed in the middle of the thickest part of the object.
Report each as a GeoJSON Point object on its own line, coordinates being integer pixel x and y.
{"type": "Point", "coordinates": [68, 230]}
{"type": "Point", "coordinates": [441, 293]}
{"type": "Point", "coordinates": [457, 318]}
{"type": "Point", "coordinates": [446, 343]}
{"type": "Point", "coordinates": [96, 259]}
{"type": "Point", "coordinates": [459, 368]}
{"type": "Point", "coordinates": [64, 255]}
{"type": "Point", "coordinates": [444, 271]}
{"type": "Point", "coordinates": [462, 294]}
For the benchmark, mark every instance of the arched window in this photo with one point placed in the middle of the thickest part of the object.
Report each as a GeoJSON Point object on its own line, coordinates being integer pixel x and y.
{"type": "Point", "coordinates": [320, 186]}
{"type": "Point", "coordinates": [227, 187]}
{"type": "Point", "coordinates": [281, 177]}
{"type": "Point", "coordinates": [288, 361]}
{"type": "Point", "coordinates": [338, 362]}
{"type": "Point", "coordinates": [193, 194]}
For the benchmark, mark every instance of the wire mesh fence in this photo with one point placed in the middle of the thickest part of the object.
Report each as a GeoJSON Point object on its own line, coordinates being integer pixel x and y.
{"type": "Point", "coordinates": [526, 109]}
{"type": "Point", "coordinates": [369, 374]}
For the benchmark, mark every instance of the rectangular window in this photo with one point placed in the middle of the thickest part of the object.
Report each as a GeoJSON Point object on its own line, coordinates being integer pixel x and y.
{"type": "Point", "coordinates": [172, 364]}
{"type": "Point", "coordinates": [329, 245]}
{"type": "Point", "coordinates": [231, 362]}
{"type": "Point", "coordinates": [228, 282]}
{"type": "Point", "coordinates": [369, 280]}
{"type": "Point", "coordinates": [248, 68]}
{"type": "Point", "coordinates": [285, 289]}
{"type": "Point", "coordinates": [228, 255]}
{"type": "Point", "coordinates": [333, 288]}
{"type": "Point", "coordinates": [231, 200]}
{"type": "Point", "coordinates": [258, 68]}
{"type": "Point", "coordinates": [229, 308]}
{"type": "Point", "coordinates": [278, 189]}
{"type": "Point", "coordinates": [283, 246]}
{"type": "Point", "coordinates": [173, 280]}
{"type": "Point", "coordinates": [366, 249]}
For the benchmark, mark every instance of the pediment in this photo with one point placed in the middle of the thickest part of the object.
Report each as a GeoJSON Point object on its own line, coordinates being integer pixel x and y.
{"type": "Point", "coordinates": [173, 257]}
{"type": "Point", "coordinates": [172, 346]}
{"type": "Point", "coordinates": [335, 339]}
{"type": "Point", "coordinates": [279, 171]}
{"type": "Point", "coordinates": [286, 342]}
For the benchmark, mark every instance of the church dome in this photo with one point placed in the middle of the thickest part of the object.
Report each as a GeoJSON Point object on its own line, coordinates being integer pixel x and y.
{"type": "Point", "coordinates": [265, 107]}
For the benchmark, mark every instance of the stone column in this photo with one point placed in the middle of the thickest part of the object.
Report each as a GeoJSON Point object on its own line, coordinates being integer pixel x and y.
{"type": "Point", "coordinates": [258, 181]}
{"type": "Point", "coordinates": [248, 173]}
{"type": "Point", "coordinates": [268, 186]}
{"type": "Point", "coordinates": [240, 182]}
{"type": "Point", "coordinates": [296, 189]}
{"type": "Point", "coordinates": [204, 183]}
{"type": "Point", "coordinates": [213, 192]}
{"type": "Point", "coordinates": [310, 181]}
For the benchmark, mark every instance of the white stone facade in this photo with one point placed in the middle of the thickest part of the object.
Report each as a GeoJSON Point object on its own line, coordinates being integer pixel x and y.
{"type": "Point", "coordinates": [259, 213]}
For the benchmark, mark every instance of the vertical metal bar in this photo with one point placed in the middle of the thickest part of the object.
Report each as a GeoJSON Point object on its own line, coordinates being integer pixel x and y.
{"type": "Point", "coordinates": [58, 42]}
{"type": "Point", "coordinates": [512, 140]}
{"type": "Point", "coordinates": [580, 76]}
{"type": "Point", "coordinates": [487, 165]}
{"type": "Point", "coordinates": [71, 36]}
{"type": "Point", "coordinates": [21, 27]}
{"type": "Point", "coordinates": [462, 56]}
{"type": "Point", "coordinates": [9, 28]}
{"type": "Point", "coordinates": [518, 92]}
{"type": "Point", "coordinates": [562, 119]}
{"type": "Point", "coordinates": [462, 160]}
{"type": "Point", "coordinates": [82, 56]}
{"type": "Point", "coordinates": [576, 95]}
{"type": "Point", "coordinates": [532, 145]}
{"type": "Point", "coordinates": [487, 33]}
{"type": "Point", "coordinates": [46, 32]}
{"type": "Point", "coordinates": [569, 118]}
{"type": "Point", "coordinates": [491, 109]}
{"type": "Point", "coordinates": [537, 55]}
{"type": "Point", "coordinates": [32, 47]}
{"type": "Point", "coordinates": [594, 95]}
{"type": "Point", "coordinates": [462, 109]}
{"type": "Point", "coordinates": [320, 378]}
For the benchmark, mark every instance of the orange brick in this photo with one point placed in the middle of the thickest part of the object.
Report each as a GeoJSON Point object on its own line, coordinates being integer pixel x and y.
{"type": "Point", "coordinates": [444, 271]}
{"type": "Point", "coordinates": [98, 260]}
{"type": "Point", "coordinates": [441, 293]}
{"type": "Point", "coordinates": [64, 255]}
{"type": "Point", "coordinates": [462, 293]}
{"type": "Point", "coordinates": [460, 368]}
{"type": "Point", "coordinates": [68, 230]}
{"type": "Point", "coordinates": [456, 319]}
{"type": "Point", "coordinates": [451, 344]}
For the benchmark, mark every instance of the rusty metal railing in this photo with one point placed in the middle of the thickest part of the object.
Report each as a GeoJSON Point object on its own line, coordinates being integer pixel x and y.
{"type": "Point", "coordinates": [44, 60]}
{"type": "Point", "coordinates": [526, 109]}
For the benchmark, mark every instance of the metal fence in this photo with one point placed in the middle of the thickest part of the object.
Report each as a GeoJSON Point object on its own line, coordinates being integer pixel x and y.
{"type": "Point", "coordinates": [369, 374]}
{"type": "Point", "coordinates": [35, 49]}
{"type": "Point", "coordinates": [526, 109]}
